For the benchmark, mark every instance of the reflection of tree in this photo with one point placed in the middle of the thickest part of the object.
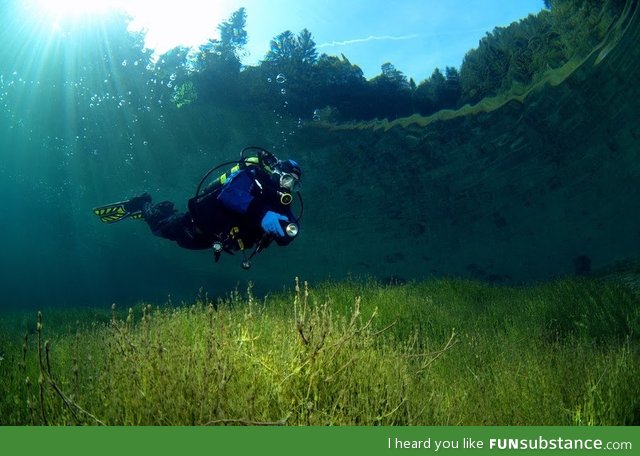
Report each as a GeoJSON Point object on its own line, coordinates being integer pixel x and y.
{"type": "Point", "coordinates": [282, 50]}
{"type": "Point", "coordinates": [509, 58]}
{"type": "Point", "coordinates": [440, 91]}
{"type": "Point", "coordinates": [342, 85]}
{"type": "Point", "coordinates": [290, 52]}
{"type": "Point", "coordinates": [296, 58]}
{"type": "Point", "coordinates": [233, 36]}
{"type": "Point", "coordinates": [517, 55]}
{"type": "Point", "coordinates": [582, 24]}
{"type": "Point", "coordinates": [227, 50]}
{"type": "Point", "coordinates": [392, 93]}
{"type": "Point", "coordinates": [217, 63]}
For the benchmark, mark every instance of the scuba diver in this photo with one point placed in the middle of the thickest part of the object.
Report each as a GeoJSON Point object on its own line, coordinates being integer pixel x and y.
{"type": "Point", "coordinates": [247, 207]}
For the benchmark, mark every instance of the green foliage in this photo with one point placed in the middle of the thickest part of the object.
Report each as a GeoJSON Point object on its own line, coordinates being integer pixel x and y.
{"type": "Point", "coordinates": [282, 48]}
{"type": "Point", "coordinates": [341, 85]}
{"type": "Point", "coordinates": [184, 94]}
{"type": "Point", "coordinates": [393, 93]}
{"type": "Point", "coordinates": [172, 65]}
{"type": "Point", "coordinates": [113, 64]}
{"type": "Point", "coordinates": [294, 57]}
{"type": "Point", "coordinates": [391, 75]}
{"type": "Point", "coordinates": [216, 66]}
{"type": "Point", "coordinates": [233, 36]}
{"type": "Point", "coordinates": [488, 66]}
{"type": "Point", "coordinates": [291, 53]}
{"type": "Point", "coordinates": [442, 352]}
{"type": "Point", "coordinates": [582, 24]}
{"type": "Point", "coordinates": [228, 49]}
{"type": "Point", "coordinates": [305, 51]}
{"type": "Point", "coordinates": [518, 55]}
{"type": "Point", "coordinates": [438, 92]}
{"type": "Point", "coordinates": [508, 59]}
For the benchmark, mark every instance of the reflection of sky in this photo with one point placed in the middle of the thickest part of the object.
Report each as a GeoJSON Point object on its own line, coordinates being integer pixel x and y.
{"type": "Point", "coordinates": [414, 35]}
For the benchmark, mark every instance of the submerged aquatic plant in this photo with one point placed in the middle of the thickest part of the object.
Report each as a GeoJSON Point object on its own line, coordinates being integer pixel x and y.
{"type": "Point", "coordinates": [433, 353]}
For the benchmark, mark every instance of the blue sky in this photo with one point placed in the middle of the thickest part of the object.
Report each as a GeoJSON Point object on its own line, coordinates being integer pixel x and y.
{"type": "Point", "coordinates": [414, 35]}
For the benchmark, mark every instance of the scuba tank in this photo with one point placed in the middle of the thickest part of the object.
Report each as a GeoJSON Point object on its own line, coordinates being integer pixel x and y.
{"type": "Point", "coordinates": [263, 158]}
{"type": "Point", "coordinates": [249, 156]}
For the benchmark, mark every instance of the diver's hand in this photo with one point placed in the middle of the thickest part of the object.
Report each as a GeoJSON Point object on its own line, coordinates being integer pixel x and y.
{"type": "Point", "coordinates": [271, 223]}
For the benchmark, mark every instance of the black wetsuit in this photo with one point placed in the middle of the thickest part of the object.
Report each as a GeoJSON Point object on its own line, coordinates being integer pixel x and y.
{"type": "Point", "coordinates": [230, 214]}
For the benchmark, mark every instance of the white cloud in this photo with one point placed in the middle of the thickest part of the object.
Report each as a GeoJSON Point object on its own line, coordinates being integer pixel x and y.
{"type": "Point", "coordinates": [369, 38]}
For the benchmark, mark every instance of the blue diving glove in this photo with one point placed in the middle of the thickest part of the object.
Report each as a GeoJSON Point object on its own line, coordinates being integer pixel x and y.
{"type": "Point", "coordinates": [271, 223]}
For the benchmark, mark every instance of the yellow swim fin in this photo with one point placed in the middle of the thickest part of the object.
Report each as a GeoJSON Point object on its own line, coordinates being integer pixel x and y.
{"type": "Point", "coordinates": [112, 213]}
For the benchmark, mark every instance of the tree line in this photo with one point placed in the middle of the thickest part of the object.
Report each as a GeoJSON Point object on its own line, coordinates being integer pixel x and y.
{"type": "Point", "coordinates": [506, 59]}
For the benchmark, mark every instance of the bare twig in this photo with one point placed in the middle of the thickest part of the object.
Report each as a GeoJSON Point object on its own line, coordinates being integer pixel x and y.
{"type": "Point", "coordinates": [435, 355]}
{"type": "Point", "coordinates": [244, 422]}
{"type": "Point", "coordinates": [380, 331]}
{"type": "Point", "coordinates": [45, 375]}
{"type": "Point", "coordinates": [70, 404]}
{"type": "Point", "coordinates": [301, 332]}
{"type": "Point", "coordinates": [42, 372]}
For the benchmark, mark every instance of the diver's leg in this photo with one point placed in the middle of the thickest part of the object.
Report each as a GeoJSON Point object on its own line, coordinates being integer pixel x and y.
{"type": "Point", "coordinates": [164, 221]}
{"type": "Point", "coordinates": [137, 203]}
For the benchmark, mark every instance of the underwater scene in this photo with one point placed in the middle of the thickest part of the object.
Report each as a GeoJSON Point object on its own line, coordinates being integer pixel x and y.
{"type": "Point", "coordinates": [191, 237]}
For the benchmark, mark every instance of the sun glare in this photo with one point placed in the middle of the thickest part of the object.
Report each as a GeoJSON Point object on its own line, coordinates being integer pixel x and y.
{"type": "Point", "coordinates": [60, 9]}
{"type": "Point", "coordinates": [166, 24]}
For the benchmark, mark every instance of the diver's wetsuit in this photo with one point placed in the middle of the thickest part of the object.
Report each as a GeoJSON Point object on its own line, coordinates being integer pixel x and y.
{"type": "Point", "coordinates": [231, 214]}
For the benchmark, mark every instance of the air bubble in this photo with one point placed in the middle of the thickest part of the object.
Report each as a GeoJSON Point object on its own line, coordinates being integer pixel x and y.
{"type": "Point", "coordinates": [281, 79]}
{"type": "Point", "coordinates": [124, 62]}
{"type": "Point", "coordinates": [283, 91]}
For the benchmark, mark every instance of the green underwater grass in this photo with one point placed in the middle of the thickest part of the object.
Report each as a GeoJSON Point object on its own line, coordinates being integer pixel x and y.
{"type": "Point", "coordinates": [439, 352]}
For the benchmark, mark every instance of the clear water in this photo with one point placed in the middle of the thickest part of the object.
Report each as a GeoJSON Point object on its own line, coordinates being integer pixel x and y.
{"type": "Point", "coordinates": [83, 122]}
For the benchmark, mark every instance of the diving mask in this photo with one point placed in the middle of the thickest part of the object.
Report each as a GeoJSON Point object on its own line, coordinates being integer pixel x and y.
{"type": "Point", "coordinates": [288, 181]}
